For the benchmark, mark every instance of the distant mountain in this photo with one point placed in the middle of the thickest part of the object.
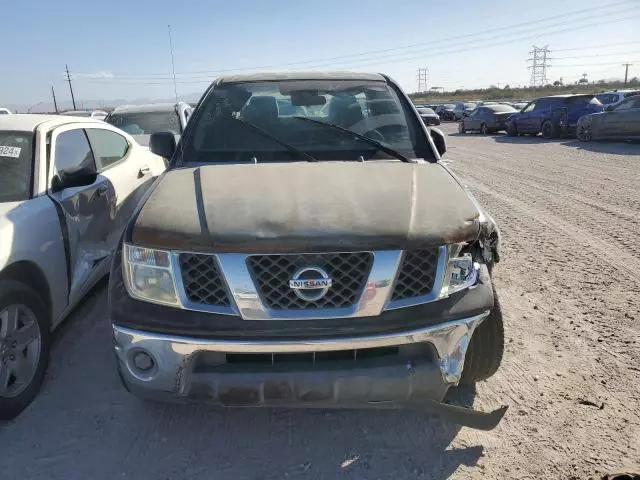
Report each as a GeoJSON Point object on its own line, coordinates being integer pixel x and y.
{"type": "Point", "coordinates": [46, 107]}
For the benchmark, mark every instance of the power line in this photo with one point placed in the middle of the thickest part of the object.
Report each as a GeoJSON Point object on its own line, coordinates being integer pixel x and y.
{"type": "Point", "coordinates": [503, 40]}
{"type": "Point", "coordinates": [425, 45]}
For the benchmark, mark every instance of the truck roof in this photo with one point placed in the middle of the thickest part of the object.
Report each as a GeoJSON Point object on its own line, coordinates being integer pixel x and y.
{"type": "Point", "coordinates": [302, 75]}
{"type": "Point", "coordinates": [148, 107]}
{"type": "Point", "coordinates": [25, 122]}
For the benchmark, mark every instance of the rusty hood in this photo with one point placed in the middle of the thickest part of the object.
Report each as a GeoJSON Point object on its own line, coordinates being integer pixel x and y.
{"type": "Point", "coordinates": [306, 207]}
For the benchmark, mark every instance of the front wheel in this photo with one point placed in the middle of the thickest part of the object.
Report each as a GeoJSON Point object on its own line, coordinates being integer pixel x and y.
{"type": "Point", "coordinates": [461, 128]}
{"type": "Point", "coordinates": [24, 347]}
{"type": "Point", "coordinates": [483, 129]}
{"type": "Point", "coordinates": [583, 132]}
{"type": "Point", "coordinates": [486, 348]}
{"type": "Point", "coordinates": [512, 130]}
{"type": "Point", "coordinates": [548, 130]}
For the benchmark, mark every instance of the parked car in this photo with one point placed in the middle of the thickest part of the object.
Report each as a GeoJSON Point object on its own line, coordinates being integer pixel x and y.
{"type": "Point", "coordinates": [5, 111]}
{"type": "Point", "coordinates": [284, 277]}
{"type": "Point", "coordinates": [615, 97]}
{"type": "Point", "coordinates": [141, 121]}
{"type": "Point", "coordinates": [61, 216]}
{"type": "Point", "coordinates": [460, 108]}
{"type": "Point", "coordinates": [520, 105]}
{"type": "Point", "coordinates": [445, 112]}
{"type": "Point", "coordinates": [97, 114]}
{"type": "Point", "coordinates": [428, 116]}
{"type": "Point", "coordinates": [490, 118]}
{"type": "Point", "coordinates": [552, 116]}
{"type": "Point", "coordinates": [621, 122]}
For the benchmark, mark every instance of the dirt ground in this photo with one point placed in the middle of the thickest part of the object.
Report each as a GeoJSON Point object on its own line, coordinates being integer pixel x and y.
{"type": "Point", "coordinates": [570, 289]}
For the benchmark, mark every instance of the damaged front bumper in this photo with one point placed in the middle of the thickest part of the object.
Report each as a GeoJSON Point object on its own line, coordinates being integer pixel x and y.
{"type": "Point", "coordinates": [174, 368]}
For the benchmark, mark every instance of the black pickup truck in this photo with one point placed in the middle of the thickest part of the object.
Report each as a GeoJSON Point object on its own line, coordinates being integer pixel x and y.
{"type": "Point", "coordinates": [306, 247]}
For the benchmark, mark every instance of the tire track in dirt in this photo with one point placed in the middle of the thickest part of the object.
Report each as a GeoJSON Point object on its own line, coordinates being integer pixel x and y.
{"type": "Point", "coordinates": [620, 259]}
{"type": "Point", "coordinates": [614, 229]}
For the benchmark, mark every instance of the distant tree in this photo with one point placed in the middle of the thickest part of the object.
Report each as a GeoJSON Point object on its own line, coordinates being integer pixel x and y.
{"type": "Point", "coordinates": [583, 81]}
{"type": "Point", "coordinates": [602, 82]}
{"type": "Point", "coordinates": [634, 81]}
{"type": "Point", "coordinates": [493, 87]}
{"type": "Point", "coordinates": [557, 83]}
{"type": "Point", "coordinates": [507, 87]}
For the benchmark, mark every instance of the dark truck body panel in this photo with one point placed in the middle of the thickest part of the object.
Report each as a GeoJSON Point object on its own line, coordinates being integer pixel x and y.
{"type": "Point", "coordinates": [301, 207]}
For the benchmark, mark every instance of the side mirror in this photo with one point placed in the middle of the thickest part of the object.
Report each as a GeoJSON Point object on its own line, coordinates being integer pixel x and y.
{"type": "Point", "coordinates": [78, 178]}
{"type": "Point", "coordinates": [438, 138]}
{"type": "Point", "coordinates": [163, 144]}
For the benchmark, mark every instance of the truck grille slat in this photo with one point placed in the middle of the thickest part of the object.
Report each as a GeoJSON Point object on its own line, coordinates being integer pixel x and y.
{"type": "Point", "coordinates": [417, 274]}
{"type": "Point", "coordinates": [348, 271]}
{"type": "Point", "coordinates": [202, 280]}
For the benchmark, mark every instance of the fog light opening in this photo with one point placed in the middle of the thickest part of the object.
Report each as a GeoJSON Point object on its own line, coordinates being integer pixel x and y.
{"type": "Point", "coordinates": [142, 363]}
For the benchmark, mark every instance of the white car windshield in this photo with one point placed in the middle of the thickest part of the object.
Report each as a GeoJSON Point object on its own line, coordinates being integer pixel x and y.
{"type": "Point", "coordinates": [15, 165]}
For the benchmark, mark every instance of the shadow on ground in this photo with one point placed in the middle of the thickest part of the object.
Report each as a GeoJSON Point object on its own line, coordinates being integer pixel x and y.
{"type": "Point", "coordinates": [603, 146]}
{"type": "Point", "coordinates": [85, 425]}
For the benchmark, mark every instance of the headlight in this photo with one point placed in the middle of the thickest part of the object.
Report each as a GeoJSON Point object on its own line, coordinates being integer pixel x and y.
{"type": "Point", "coordinates": [461, 273]}
{"type": "Point", "coordinates": [148, 274]}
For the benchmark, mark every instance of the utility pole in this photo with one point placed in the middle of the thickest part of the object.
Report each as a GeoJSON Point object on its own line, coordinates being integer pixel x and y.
{"type": "Point", "coordinates": [53, 94]}
{"type": "Point", "coordinates": [73, 100]}
{"type": "Point", "coordinates": [626, 71]}
{"type": "Point", "coordinates": [423, 76]}
{"type": "Point", "coordinates": [539, 57]}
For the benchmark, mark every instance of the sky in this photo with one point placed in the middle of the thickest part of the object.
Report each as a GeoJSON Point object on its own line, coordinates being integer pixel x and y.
{"type": "Point", "coordinates": [119, 50]}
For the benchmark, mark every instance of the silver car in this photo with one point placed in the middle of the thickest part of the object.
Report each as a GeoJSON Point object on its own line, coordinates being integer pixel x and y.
{"type": "Point", "coordinates": [68, 186]}
{"type": "Point", "coordinates": [142, 121]}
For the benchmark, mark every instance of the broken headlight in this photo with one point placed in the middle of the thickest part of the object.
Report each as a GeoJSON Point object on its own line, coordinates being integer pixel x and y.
{"type": "Point", "coordinates": [148, 274]}
{"type": "Point", "coordinates": [461, 272]}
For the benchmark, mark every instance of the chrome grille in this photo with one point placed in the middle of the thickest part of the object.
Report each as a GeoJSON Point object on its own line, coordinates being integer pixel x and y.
{"type": "Point", "coordinates": [417, 274]}
{"type": "Point", "coordinates": [348, 271]}
{"type": "Point", "coordinates": [202, 280]}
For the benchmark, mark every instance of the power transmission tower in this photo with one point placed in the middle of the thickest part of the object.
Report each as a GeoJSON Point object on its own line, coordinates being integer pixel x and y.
{"type": "Point", "coordinates": [53, 93]}
{"type": "Point", "coordinates": [73, 100]}
{"type": "Point", "coordinates": [539, 58]}
{"type": "Point", "coordinates": [626, 71]}
{"type": "Point", "coordinates": [423, 77]}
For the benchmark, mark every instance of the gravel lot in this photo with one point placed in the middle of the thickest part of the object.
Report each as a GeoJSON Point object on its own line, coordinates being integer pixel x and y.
{"type": "Point", "coordinates": [570, 287]}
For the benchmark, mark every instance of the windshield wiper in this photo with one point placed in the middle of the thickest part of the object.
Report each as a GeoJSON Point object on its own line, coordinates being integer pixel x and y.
{"type": "Point", "coordinates": [282, 143]}
{"type": "Point", "coordinates": [370, 141]}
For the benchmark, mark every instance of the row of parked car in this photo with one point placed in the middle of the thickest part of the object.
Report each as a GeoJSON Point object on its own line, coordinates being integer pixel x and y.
{"type": "Point", "coordinates": [608, 115]}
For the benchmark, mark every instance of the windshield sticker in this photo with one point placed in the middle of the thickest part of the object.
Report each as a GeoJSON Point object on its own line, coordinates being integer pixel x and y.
{"type": "Point", "coordinates": [12, 152]}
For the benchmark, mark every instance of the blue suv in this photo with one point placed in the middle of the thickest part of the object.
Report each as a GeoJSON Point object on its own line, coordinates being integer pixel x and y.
{"type": "Point", "coordinates": [553, 116]}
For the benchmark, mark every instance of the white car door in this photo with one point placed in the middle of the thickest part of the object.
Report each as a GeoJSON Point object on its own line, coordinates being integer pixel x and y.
{"type": "Point", "coordinates": [130, 168]}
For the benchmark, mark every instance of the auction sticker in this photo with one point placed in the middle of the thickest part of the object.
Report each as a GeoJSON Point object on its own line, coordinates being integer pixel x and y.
{"type": "Point", "coordinates": [12, 152]}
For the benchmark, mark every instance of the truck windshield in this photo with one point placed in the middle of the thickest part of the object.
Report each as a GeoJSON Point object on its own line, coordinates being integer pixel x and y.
{"type": "Point", "coordinates": [220, 130]}
{"type": "Point", "coordinates": [15, 165]}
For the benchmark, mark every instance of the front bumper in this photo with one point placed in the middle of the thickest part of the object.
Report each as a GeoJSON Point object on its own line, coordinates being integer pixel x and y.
{"type": "Point", "coordinates": [177, 371]}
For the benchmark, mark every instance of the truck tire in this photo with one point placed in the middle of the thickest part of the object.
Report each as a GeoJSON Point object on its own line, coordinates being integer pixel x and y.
{"type": "Point", "coordinates": [548, 130]}
{"type": "Point", "coordinates": [512, 130]}
{"type": "Point", "coordinates": [484, 354]}
{"type": "Point", "coordinates": [22, 370]}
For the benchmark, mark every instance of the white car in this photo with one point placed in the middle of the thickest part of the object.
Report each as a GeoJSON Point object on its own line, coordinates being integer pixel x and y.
{"type": "Point", "coordinates": [5, 111]}
{"type": "Point", "coordinates": [614, 97]}
{"type": "Point", "coordinates": [68, 187]}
